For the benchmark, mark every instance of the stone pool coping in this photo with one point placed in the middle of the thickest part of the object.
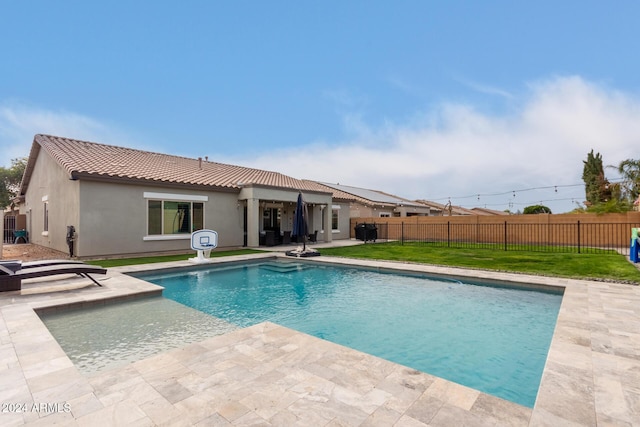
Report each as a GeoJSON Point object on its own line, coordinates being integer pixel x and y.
{"type": "Point", "coordinates": [271, 375]}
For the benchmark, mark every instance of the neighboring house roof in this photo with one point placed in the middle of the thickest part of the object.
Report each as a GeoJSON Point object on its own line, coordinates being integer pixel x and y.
{"type": "Point", "coordinates": [485, 211]}
{"type": "Point", "coordinates": [337, 194]}
{"type": "Point", "coordinates": [371, 197]}
{"type": "Point", "coordinates": [455, 210]}
{"type": "Point", "coordinates": [90, 160]}
{"type": "Point", "coordinates": [459, 210]}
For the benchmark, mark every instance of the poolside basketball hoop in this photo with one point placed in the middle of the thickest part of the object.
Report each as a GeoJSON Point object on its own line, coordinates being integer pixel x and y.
{"type": "Point", "coordinates": [203, 241]}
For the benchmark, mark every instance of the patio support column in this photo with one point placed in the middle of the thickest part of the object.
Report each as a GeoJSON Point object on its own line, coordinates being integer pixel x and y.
{"type": "Point", "coordinates": [328, 227]}
{"type": "Point", "coordinates": [253, 224]}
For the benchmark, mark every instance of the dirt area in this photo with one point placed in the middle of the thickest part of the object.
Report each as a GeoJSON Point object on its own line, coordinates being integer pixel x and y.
{"type": "Point", "coordinates": [30, 252]}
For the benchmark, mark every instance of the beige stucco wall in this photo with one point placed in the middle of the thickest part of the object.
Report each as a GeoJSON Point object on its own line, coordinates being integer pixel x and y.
{"type": "Point", "coordinates": [114, 220]}
{"type": "Point", "coordinates": [361, 211]}
{"type": "Point", "coordinates": [343, 223]}
{"type": "Point", "coordinates": [50, 181]}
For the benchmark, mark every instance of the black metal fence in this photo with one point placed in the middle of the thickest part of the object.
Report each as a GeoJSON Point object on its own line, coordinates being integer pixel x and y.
{"type": "Point", "coordinates": [574, 237]}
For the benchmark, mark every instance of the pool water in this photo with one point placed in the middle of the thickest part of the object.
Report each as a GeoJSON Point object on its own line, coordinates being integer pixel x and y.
{"type": "Point", "coordinates": [108, 336]}
{"type": "Point", "coordinates": [493, 339]}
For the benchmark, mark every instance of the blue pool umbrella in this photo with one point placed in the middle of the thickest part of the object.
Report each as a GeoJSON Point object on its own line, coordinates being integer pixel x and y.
{"type": "Point", "coordinates": [300, 221]}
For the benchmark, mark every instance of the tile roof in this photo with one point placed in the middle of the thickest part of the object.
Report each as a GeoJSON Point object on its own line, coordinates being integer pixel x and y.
{"type": "Point", "coordinates": [485, 211]}
{"type": "Point", "coordinates": [372, 196]}
{"type": "Point", "coordinates": [83, 159]}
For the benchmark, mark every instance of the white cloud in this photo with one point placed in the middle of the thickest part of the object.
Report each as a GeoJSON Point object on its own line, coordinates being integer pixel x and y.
{"type": "Point", "coordinates": [20, 123]}
{"type": "Point", "coordinates": [486, 89]}
{"type": "Point", "coordinates": [458, 151]}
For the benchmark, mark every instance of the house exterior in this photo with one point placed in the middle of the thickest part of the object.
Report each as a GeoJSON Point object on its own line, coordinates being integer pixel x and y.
{"type": "Point", "coordinates": [127, 202]}
{"type": "Point", "coordinates": [365, 203]}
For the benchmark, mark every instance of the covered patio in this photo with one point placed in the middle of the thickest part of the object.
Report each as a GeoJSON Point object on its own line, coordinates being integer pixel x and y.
{"type": "Point", "coordinates": [269, 212]}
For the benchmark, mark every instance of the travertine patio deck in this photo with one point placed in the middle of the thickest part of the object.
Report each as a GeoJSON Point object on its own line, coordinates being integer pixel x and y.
{"type": "Point", "coordinates": [271, 375]}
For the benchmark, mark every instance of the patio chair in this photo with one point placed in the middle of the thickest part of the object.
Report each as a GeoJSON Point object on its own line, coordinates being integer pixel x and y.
{"type": "Point", "coordinates": [41, 263]}
{"type": "Point", "coordinates": [12, 273]}
{"type": "Point", "coordinates": [313, 237]}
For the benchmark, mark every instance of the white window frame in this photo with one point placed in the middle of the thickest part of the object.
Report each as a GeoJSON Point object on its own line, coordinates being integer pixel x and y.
{"type": "Point", "coordinates": [45, 215]}
{"type": "Point", "coordinates": [336, 209]}
{"type": "Point", "coordinates": [171, 197]}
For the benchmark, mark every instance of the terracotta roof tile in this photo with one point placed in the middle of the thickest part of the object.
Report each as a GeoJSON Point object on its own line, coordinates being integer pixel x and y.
{"type": "Point", "coordinates": [87, 159]}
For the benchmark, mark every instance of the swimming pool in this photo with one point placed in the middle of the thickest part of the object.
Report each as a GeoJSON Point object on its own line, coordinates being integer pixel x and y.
{"type": "Point", "coordinates": [491, 338]}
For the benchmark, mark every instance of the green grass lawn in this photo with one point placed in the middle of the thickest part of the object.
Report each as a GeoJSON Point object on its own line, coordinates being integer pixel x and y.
{"type": "Point", "coordinates": [611, 266]}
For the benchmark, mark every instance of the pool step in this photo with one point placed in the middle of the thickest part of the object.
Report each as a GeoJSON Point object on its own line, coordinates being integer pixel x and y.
{"type": "Point", "coordinates": [283, 267]}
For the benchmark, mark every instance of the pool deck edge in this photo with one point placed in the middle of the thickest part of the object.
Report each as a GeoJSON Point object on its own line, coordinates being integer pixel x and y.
{"type": "Point", "coordinates": [271, 375]}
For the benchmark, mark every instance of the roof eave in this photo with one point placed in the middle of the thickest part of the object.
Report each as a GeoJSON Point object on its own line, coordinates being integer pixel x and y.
{"type": "Point", "coordinates": [304, 190]}
{"type": "Point", "coordinates": [28, 170]}
{"type": "Point", "coordinates": [75, 175]}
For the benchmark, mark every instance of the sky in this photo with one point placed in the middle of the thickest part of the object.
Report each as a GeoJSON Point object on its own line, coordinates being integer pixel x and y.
{"type": "Point", "coordinates": [491, 104]}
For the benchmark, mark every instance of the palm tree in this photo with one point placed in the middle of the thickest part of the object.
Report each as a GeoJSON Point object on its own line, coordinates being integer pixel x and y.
{"type": "Point", "coordinates": [629, 169]}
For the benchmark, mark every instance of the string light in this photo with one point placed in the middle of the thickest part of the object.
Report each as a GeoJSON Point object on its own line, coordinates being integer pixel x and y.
{"type": "Point", "coordinates": [512, 192]}
{"type": "Point", "coordinates": [511, 201]}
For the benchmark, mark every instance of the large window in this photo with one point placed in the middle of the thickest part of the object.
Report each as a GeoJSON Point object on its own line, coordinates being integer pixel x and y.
{"type": "Point", "coordinates": [174, 214]}
{"type": "Point", "coordinates": [170, 217]}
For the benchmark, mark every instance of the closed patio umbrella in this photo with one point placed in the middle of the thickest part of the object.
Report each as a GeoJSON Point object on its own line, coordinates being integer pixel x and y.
{"type": "Point", "coordinates": [300, 228]}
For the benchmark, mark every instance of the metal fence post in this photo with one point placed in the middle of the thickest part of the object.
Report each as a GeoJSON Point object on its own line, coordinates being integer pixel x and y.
{"type": "Point", "coordinates": [578, 236]}
{"type": "Point", "coordinates": [505, 235]}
